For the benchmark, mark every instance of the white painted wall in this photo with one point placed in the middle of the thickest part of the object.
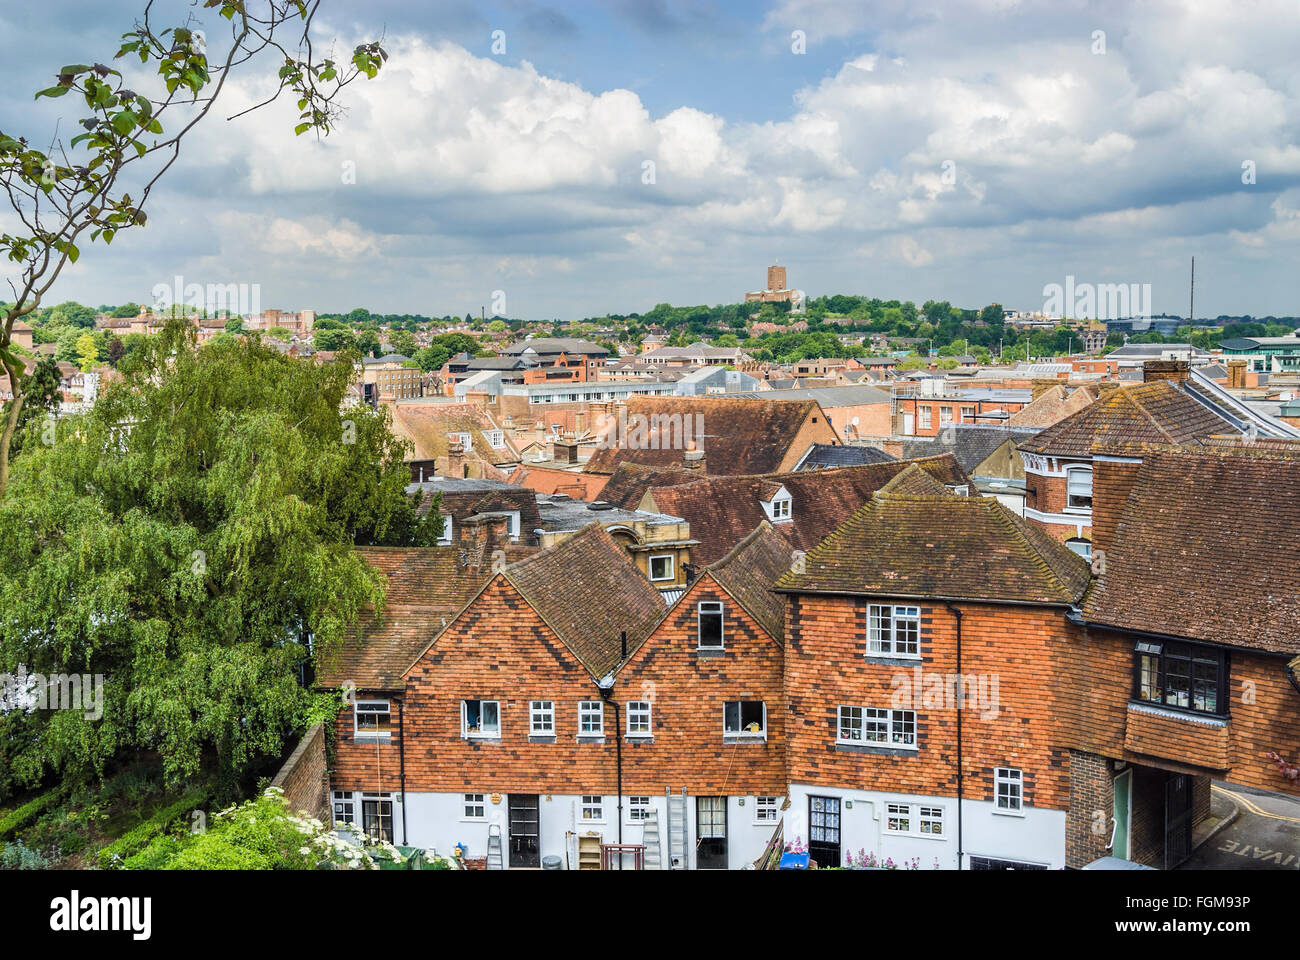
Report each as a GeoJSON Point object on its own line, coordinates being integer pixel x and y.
{"type": "Point", "coordinates": [436, 821]}
{"type": "Point", "coordinates": [1036, 837]}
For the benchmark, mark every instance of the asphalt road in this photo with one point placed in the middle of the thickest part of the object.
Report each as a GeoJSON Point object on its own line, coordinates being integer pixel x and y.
{"type": "Point", "coordinates": [1265, 836]}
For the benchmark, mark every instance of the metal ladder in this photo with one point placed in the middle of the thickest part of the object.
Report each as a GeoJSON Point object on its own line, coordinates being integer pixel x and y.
{"type": "Point", "coordinates": [678, 845]}
{"type": "Point", "coordinates": [494, 858]}
{"type": "Point", "coordinates": [650, 839]}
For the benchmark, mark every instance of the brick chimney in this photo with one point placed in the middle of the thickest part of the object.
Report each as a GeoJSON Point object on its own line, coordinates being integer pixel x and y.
{"type": "Point", "coordinates": [694, 459]}
{"type": "Point", "coordinates": [565, 450]}
{"type": "Point", "coordinates": [455, 460]}
{"type": "Point", "coordinates": [1174, 371]}
{"type": "Point", "coordinates": [482, 533]}
{"type": "Point", "coordinates": [580, 423]}
{"type": "Point", "coordinates": [1237, 374]}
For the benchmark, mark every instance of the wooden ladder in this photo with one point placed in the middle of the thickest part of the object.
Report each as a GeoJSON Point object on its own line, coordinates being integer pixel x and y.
{"type": "Point", "coordinates": [495, 861]}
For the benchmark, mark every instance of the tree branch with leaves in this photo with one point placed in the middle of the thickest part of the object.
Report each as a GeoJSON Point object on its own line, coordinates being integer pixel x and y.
{"type": "Point", "coordinates": [99, 182]}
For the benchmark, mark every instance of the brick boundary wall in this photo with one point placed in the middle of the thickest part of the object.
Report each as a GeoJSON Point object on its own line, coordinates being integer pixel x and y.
{"type": "Point", "coordinates": [305, 776]}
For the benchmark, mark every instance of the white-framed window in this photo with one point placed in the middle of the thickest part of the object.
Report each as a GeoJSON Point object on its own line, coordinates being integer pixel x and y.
{"type": "Point", "coordinates": [892, 728]}
{"type": "Point", "coordinates": [372, 718]}
{"type": "Point", "coordinates": [475, 806]}
{"type": "Point", "coordinates": [1078, 488]}
{"type": "Point", "coordinates": [710, 632]}
{"type": "Point", "coordinates": [661, 566]}
{"type": "Point", "coordinates": [781, 508]}
{"type": "Point", "coordinates": [496, 439]}
{"type": "Point", "coordinates": [592, 809]}
{"type": "Point", "coordinates": [345, 807]}
{"type": "Point", "coordinates": [377, 815]}
{"type": "Point", "coordinates": [591, 718]}
{"type": "Point", "coordinates": [765, 809]}
{"type": "Point", "coordinates": [445, 539]}
{"type": "Point", "coordinates": [744, 718]}
{"type": "Point", "coordinates": [1008, 789]}
{"type": "Point", "coordinates": [898, 817]}
{"type": "Point", "coordinates": [915, 819]}
{"type": "Point", "coordinates": [924, 417]}
{"type": "Point", "coordinates": [638, 809]}
{"type": "Point", "coordinates": [893, 631]}
{"type": "Point", "coordinates": [945, 415]}
{"type": "Point", "coordinates": [638, 718]}
{"type": "Point", "coordinates": [480, 719]}
{"type": "Point", "coordinates": [1081, 546]}
{"type": "Point", "coordinates": [541, 718]}
{"type": "Point", "coordinates": [850, 724]}
{"type": "Point", "coordinates": [465, 440]}
{"type": "Point", "coordinates": [931, 821]}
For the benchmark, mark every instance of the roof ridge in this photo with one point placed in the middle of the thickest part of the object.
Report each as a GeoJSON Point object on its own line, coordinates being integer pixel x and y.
{"type": "Point", "coordinates": [731, 554]}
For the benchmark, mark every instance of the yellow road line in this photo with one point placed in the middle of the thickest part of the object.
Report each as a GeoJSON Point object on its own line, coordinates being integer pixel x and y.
{"type": "Point", "coordinates": [1253, 808]}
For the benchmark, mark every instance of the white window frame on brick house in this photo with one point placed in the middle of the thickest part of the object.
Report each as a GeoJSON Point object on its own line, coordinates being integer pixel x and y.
{"type": "Point", "coordinates": [591, 809]}
{"type": "Point", "coordinates": [1009, 791]}
{"type": "Point", "coordinates": [345, 806]}
{"type": "Point", "coordinates": [889, 728]}
{"type": "Point", "coordinates": [740, 732]}
{"type": "Point", "coordinates": [1083, 473]}
{"type": "Point", "coordinates": [483, 731]}
{"type": "Point", "coordinates": [638, 809]}
{"type": "Point", "coordinates": [374, 713]}
{"type": "Point", "coordinates": [893, 631]}
{"type": "Point", "coordinates": [710, 608]}
{"type": "Point", "coordinates": [496, 439]}
{"type": "Point", "coordinates": [588, 709]}
{"type": "Point", "coordinates": [945, 415]}
{"type": "Point", "coordinates": [850, 725]}
{"type": "Point", "coordinates": [766, 810]}
{"type": "Point", "coordinates": [672, 567]}
{"type": "Point", "coordinates": [474, 807]}
{"type": "Point", "coordinates": [640, 723]}
{"type": "Point", "coordinates": [541, 718]}
{"type": "Point", "coordinates": [916, 820]}
{"type": "Point", "coordinates": [924, 416]}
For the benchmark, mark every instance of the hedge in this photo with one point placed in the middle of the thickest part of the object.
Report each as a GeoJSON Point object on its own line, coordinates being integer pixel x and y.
{"type": "Point", "coordinates": [139, 837]}
{"type": "Point", "coordinates": [27, 812]}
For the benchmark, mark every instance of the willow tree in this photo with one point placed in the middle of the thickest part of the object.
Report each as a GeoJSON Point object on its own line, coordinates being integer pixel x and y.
{"type": "Point", "coordinates": [189, 540]}
{"type": "Point", "coordinates": [99, 182]}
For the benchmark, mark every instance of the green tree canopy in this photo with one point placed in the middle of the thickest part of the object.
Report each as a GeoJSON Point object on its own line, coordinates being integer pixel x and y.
{"type": "Point", "coordinates": [189, 539]}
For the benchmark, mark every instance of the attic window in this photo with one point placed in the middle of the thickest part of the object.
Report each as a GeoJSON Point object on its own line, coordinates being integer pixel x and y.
{"type": "Point", "coordinates": [464, 439]}
{"type": "Point", "coordinates": [710, 626]}
{"type": "Point", "coordinates": [496, 439]}
{"type": "Point", "coordinates": [744, 718]}
{"type": "Point", "coordinates": [1080, 546]}
{"type": "Point", "coordinates": [781, 508]}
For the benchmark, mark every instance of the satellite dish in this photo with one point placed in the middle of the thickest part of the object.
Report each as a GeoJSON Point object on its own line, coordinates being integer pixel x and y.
{"type": "Point", "coordinates": [854, 421]}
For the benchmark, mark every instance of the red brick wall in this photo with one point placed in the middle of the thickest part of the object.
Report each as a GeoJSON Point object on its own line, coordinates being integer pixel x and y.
{"type": "Point", "coordinates": [304, 777]}
{"type": "Point", "coordinates": [826, 667]}
{"type": "Point", "coordinates": [688, 690]}
{"type": "Point", "coordinates": [498, 649]}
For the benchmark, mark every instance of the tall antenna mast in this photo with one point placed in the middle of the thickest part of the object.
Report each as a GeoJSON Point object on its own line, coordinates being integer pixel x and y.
{"type": "Point", "coordinates": [1191, 307]}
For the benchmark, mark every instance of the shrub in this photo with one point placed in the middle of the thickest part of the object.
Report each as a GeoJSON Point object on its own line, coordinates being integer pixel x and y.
{"type": "Point", "coordinates": [136, 839]}
{"type": "Point", "coordinates": [15, 856]}
{"type": "Point", "coordinates": [27, 812]}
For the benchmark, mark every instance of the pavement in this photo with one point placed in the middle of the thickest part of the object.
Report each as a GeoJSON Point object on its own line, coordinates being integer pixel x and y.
{"type": "Point", "coordinates": [1264, 834]}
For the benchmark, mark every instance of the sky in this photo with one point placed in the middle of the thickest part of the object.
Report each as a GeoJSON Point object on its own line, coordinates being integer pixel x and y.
{"type": "Point", "coordinates": [572, 159]}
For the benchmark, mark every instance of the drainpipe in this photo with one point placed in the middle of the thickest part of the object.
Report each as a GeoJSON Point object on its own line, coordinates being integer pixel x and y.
{"type": "Point", "coordinates": [606, 687]}
{"type": "Point", "coordinates": [401, 759]}
{"type": "Point", "coordinates": [960, 710]}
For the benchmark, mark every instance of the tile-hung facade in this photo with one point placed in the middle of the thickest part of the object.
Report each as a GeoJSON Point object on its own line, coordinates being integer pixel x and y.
{"type": "Point", "coordinates": [938, 681]}
{"type": "Point", "coordinates": [915, 637]}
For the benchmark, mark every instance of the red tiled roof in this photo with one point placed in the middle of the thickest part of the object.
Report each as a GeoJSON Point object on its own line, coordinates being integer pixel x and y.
{"type": "Point", "coordinates": [1053, 406]}
{"type": "Point", "coordinates": [740, 436]}
{"type": "Point", "coordinates": [588, 590]}
{"type": "Point", "coordinates": [1156, 412]}
{"type": "Point", "coordinates": [723, 510]}
{"type": "Point", "coordinates": [1207, 547]}
{"type": "Point", "coordinates": [750, 569]}
{"type": "Point", "coordinates": [939, 547]}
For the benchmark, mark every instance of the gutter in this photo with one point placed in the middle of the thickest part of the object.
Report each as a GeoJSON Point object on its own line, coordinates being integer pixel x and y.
{"type": "Point", "coordinates": [960, 709]}
{"type": "Point", "coordinates": [401, 759]}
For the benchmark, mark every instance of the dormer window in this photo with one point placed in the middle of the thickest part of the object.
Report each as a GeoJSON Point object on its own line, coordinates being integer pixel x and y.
{"type": "Point", "coordinates": [781, 509]}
